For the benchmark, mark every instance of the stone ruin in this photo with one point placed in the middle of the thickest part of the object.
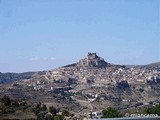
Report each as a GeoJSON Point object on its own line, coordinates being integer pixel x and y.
{"type": "Point", "coordinates": [92, 60]}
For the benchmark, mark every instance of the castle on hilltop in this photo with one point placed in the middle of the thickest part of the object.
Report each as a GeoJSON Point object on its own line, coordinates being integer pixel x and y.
{"type": "Point", "coordinates": [92, 60]}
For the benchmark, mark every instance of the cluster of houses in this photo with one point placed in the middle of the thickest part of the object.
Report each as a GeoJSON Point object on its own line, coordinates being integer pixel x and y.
{"type": "Point", "coordinates": [104, 75]}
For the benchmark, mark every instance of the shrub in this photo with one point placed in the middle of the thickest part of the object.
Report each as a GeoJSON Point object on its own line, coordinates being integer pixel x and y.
{"type": "Point", "coordinates": [65, 113]}
{"type": "Point", "coordinates": [6, 100]}
{"type": "Point", "coordinates": [52, 110]}
{"type": "Point", "coordinates": [44, 108]}
{"type": "Point", "coordinates": [110, 113]}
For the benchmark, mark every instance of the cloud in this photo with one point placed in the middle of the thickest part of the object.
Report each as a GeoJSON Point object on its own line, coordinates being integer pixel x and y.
{"type": "Point", "coordinates": [52, 58]}
{"type": "Point", "coordinates": [34, 59]}
{"type": "Point", "coordinates": [41, 58]}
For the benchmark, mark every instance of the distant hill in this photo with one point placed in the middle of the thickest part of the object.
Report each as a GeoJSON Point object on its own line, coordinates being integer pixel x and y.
{"type": "Point", "coordinates": [11, 77]}
{"type": "Point", "coordinates": [152, 66]}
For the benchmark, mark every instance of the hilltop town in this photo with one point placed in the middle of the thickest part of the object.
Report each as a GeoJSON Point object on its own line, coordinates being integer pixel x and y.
{"type": "Point", "coordinates": [89, 86]}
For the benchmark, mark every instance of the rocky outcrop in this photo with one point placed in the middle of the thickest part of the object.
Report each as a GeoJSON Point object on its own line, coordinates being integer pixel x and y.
{"type": "Point", "coordinates": [92, 60]}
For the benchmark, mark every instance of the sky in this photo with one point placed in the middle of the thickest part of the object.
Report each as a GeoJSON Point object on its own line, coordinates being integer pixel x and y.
{"type": "Point", "coordinates": [45, 34]}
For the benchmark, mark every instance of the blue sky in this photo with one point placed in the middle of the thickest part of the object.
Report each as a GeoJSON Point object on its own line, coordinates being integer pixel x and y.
{"type": "Point", "coordinates": [45, 34]}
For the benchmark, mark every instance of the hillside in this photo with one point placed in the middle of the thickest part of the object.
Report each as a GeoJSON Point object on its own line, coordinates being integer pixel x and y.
{"type": "Point", "coordinates": [91, 84]}
{"type": "Point", "coordinates": [11, 77]}
{"type": "Point", "coordinates": [6, 78]}
{"type": "Point", "coordinates": [153, 66]}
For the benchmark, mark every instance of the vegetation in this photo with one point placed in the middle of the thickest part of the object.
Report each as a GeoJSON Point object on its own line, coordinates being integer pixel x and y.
{"type": "Point", "coordinates": [6, 100]}
{"type": "Point", "coordinates": [15, 109]}
{"type": "Point", "coordinates": [113, 113]}
{"type": "Point", "coordinates": [110, 113]}
{"type": "Point", "coordinates": [9, 108]}
{"type": "Point", "coordinates": [39, 111]}
{"type": "Point", "coordinates": [65, 113]}
{"type": "Point", "coordinates": [154, 110]}
{"type": "Point", "coordinates": [52, 110]}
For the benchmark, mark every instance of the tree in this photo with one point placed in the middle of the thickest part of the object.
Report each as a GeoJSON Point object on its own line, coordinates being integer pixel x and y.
{"type": "Point", "coordinates": [15, 103]}
{"type": "Point", "coordinates": [58, 117]}
{"type": "Point", "coordinates": [65, 113]}
{"type": "Point", "coordinates": [154, 110]}
{"type": "Point", "coordinates": [52, 110]}
{"type": "Point", "coordinates": [6, 100]}
{"type": "Point", "coordinates": [123, 66]}
{"type": "Point", "coordinates": [110, 113]}
{"type": "Point", "coordinates": [48, 117]}
{"type": "Point", "coordinates": [2, 107]}
{"type": "Point", "coordinates": [37, 108]}
{"type": "Point", "coordinates": [44, 108]}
